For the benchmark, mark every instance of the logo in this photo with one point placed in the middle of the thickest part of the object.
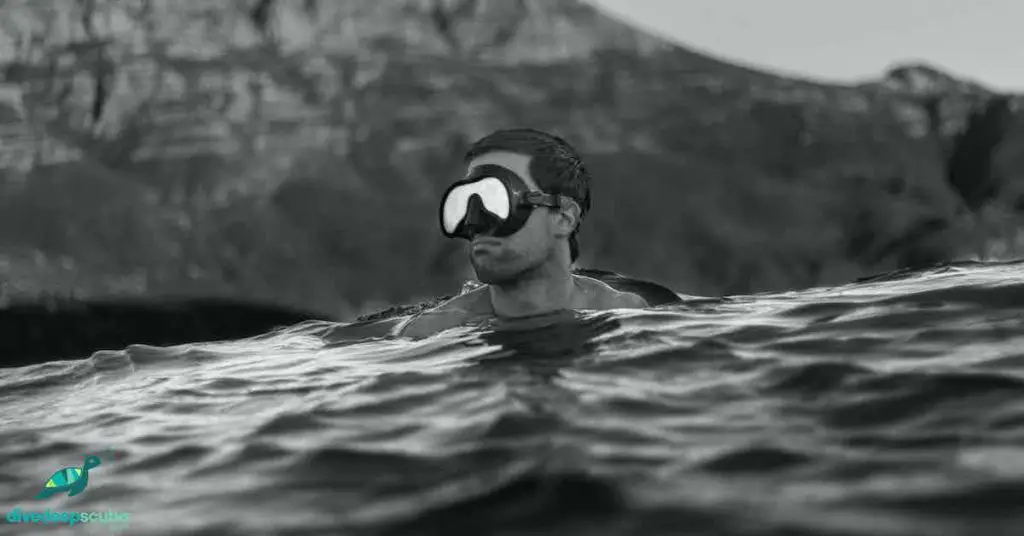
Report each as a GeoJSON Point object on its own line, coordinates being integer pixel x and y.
{"type": "Point", "coordinates": [70, 480]}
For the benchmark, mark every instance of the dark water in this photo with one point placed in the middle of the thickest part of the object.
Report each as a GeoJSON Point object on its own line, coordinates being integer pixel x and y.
{"type": "Point", "coordinates": [893, 406]}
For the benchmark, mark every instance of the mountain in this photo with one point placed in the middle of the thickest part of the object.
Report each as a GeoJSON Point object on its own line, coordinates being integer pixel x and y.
{"type": "Point", "coordinates": [294, 150]}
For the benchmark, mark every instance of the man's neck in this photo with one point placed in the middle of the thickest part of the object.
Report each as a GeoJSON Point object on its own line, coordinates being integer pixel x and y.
{"type": "Point", "coordinates": [547, 289]}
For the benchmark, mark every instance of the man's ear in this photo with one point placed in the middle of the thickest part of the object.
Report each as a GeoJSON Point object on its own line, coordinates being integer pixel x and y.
{"type": "Point", "coordinates": [568, 217]}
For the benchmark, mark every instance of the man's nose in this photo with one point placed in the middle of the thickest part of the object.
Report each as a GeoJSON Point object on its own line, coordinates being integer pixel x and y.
{"type": "Point", "coordinates": [478, 220]}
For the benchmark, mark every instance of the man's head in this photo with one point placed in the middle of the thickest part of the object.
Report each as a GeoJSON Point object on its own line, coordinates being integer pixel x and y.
{"type": "Point", "coordinates": [544, 163]}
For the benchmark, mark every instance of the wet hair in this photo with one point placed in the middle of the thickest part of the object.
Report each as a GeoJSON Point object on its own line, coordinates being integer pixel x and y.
{"type": "Point", "coordinates": [554, 164]}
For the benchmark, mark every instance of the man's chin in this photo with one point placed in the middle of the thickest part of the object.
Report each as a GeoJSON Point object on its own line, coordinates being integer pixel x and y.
{"type": "Point", "coordinates": [491, 275]}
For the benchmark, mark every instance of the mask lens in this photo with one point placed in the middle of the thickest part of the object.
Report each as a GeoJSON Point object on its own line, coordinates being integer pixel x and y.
{"type": "Point", "coordinates": [492, 193]}
{"type": "Point", "coordinates": [495, 197]}
{"type": "Point", "coordinates": [453, 209]}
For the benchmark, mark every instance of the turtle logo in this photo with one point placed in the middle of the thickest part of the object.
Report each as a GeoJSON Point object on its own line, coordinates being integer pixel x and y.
{"type": "Point", "coordinates": [70, 479]}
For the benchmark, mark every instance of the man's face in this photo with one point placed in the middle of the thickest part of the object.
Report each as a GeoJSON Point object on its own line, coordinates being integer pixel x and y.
{"type": "Point", "coordinates": [503, 259]}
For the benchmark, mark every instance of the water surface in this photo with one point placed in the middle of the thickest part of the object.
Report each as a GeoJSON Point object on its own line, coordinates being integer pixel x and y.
{"type": "Point", "coordinates": [888, 406]}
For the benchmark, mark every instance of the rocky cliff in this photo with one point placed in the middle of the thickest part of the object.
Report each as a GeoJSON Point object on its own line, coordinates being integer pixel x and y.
{"type": "Point", "coordinates": [294, 149]}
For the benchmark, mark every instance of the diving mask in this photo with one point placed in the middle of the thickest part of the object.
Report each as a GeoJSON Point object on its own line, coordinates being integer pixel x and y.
{"type": "Point", "coordinates": [492, 199]}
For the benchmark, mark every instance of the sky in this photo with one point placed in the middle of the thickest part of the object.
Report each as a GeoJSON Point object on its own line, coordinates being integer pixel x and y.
{"type": "Point", "coordinates": [844, 41]}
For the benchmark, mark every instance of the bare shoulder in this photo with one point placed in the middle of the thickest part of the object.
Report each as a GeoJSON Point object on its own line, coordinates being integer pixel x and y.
{"type": "Point", "coordinates": [628, 300]}
{"type": "Point", "coordinates": [459, 310]}
{"type": "Point", "coordinates": [600, 295]}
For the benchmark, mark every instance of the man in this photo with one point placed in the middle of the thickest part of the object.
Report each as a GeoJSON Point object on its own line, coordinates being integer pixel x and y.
{"type": "Point", "coordinates": [519, 206]}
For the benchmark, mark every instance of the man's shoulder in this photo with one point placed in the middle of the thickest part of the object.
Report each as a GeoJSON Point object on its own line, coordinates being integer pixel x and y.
{"type": "Point", "coordinates": [448, 314]}
{"type": "Point", "coordinates": [601, 295]}
{"type": "Point", "coordinates": [475, 301]}
{"type": "Point", "coordinates": [624, 300]}
{"type": "Point", "coordinates": [628, 300]}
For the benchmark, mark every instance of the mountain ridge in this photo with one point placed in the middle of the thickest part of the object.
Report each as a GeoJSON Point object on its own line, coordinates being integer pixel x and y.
{"type": "Point", "coordinates": [447, 17]}
{"type": "Point", "coordinates": [258, 113]}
